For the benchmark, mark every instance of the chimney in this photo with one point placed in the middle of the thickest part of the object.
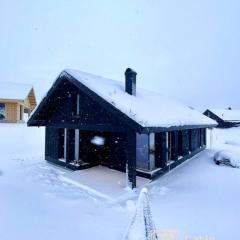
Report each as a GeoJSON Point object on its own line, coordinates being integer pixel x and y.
{"type": "Point", "coordinates": [130, 81]}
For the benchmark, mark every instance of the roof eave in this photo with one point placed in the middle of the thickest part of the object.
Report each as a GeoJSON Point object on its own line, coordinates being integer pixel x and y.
{"type": "Point", "coordinates": [175, 128]}
{"type": "Point", "coordinates": [11, 100]}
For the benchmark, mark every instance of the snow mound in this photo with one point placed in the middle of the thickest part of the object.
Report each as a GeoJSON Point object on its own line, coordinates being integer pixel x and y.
{"type": "Point", "coordinates": [234, 143]}
{"type": "Point", "coordinates": [228, 157]}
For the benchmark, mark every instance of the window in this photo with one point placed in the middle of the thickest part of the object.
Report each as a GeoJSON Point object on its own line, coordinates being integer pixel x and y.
{"type": "Point", "coordinates": [180, 144]}
{"type": "Point", "coordinates": [21, 112]}
{"type": "Point", "coordinates": [170, 144]}
{"type": "Point", "coordinates": [151, 151]}
{"type": "Point", "coordinates": [142, 151]}
{"type": "Point", "coordinates": [76, 105]}
{"type": "Point", "coordinates": [2, 111]}
{"type": "Point", "coordinates": [146, 151]}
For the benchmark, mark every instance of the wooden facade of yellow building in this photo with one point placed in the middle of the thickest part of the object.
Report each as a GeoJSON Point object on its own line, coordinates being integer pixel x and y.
{"type": "Point", "coordinates": [16, 102]}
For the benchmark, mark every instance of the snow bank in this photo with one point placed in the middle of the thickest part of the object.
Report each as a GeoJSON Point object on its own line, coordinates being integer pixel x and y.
{"type": "Point", "coordinates": [228, 157]}
{"type": "Point", "coordinates": [18, 139]}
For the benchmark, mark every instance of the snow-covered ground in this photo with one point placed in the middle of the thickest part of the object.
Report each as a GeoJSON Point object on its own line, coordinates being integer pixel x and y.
{"type": "Point", "coordinates": [42, 201]}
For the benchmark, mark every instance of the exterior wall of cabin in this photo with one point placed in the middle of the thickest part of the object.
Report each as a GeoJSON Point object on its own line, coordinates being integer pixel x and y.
{"type": "Point", "coordinates": [10, 111]}
{"type": "Point", "coordinates": [13, 111]}
{"type": "Point", "coordinates": [155, 153]}
{"type": "Point", "coordinates": [169, 150]}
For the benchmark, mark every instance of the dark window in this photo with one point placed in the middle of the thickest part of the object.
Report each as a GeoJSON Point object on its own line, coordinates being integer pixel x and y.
{"type": "Point", "coordinates": [199, 137]}
{"type": "Point", "coordinates": [21, 112]}
{"type": "Point", "coordinates": [190, 140]}
{"type": "Point", "coordinates": [161, 149]}
{"type": "Point", "coordinates": [151, 151]}
{"type": "Point", "coordinates": [172, 145]}
{"type": "Point", "coordinates": [169, 145]}
{"type": "Point", "coordinates": [186, 142]}
{"type": "Point", "coordinates": [180, 143]}
{"type": "Point", "coordinates": [76, 105]}
{"type": "Point", "coordinates": [204, 141]}
{"type": "Point", "coordinates": [142, 151]}
{"type": "Point", "coordinates": [2, 111]}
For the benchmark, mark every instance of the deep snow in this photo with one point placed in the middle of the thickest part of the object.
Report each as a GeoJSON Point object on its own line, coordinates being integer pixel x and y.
{"type": "Point", "coordinates": [39, 201]}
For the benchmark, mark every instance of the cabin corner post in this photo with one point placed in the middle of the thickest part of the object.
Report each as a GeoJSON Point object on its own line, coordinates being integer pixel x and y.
{"type": "Point", "coordinates": [131, 158]}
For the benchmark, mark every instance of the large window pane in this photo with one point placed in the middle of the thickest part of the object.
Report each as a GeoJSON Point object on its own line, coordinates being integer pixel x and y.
{"type": "Point", "coordinates": [2, 111]}
{"type": "Point", "coordinates": [142, 151]}
{"type": "Point", "coordinates": [152, 151]}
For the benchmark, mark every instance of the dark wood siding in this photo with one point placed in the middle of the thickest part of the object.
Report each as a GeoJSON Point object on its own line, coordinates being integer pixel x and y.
{"type": "Point", "coordinates": [61, 110]}
{"type": "Point", "coordinates": [51, 143]}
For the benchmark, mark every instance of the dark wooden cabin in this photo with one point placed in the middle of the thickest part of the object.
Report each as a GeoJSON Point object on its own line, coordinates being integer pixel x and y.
{"type": "Point", "coordinates": [137, 131]}
{"type": "Point", "coordinates": [226, 118]}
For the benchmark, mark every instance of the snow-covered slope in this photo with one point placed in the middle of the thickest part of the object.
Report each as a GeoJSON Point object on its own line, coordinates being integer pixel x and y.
{"type": "Point", "coordinates": [149, 109]}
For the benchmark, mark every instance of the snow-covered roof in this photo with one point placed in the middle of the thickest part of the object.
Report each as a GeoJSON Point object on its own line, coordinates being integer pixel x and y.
{"type": "Point", "coordinates": [14, 91]}
{"type": "Point", "coordinates": [147, 108]}
{"type": "Point", "coordinates": [227, 114]}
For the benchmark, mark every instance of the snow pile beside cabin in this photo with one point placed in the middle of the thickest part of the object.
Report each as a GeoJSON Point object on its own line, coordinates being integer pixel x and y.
{"type": "Point", "coordinates": [228, 157]}
{"type": "Point", "coordinates": [147, 108]}
{"type": "Point", "coordinates": [227, 146]}
{"type": "Point", "coordinates": [14, 91]}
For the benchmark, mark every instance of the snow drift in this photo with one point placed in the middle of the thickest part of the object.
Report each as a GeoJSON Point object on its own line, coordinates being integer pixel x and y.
{"type": "Point", "coordinates": [227, 157]}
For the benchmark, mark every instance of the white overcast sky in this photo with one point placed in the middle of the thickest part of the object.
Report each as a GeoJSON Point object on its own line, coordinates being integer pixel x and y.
{"type": "Point", "coordinates": [183, 48]}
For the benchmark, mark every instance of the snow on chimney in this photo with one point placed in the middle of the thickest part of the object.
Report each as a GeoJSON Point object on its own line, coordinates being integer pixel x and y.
{"type": "Point", "coordinates": [130, 81]}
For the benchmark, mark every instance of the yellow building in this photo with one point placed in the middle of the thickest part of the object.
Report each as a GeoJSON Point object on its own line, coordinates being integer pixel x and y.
{"type": "Point", "coordinates": [16, 102]}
